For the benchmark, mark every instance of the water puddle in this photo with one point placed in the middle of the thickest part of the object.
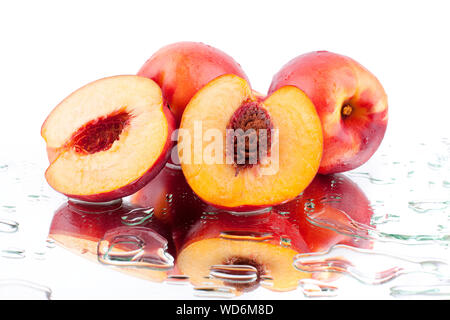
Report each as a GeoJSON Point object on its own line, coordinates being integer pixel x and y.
{"type": "Point", "coordinates": [138, 216]}
{"type": "Point", "coordinates": [433, 290]}
{"type": "Point", "coordinates": [427, 206]}
{"type": "Point", "coordinates": [234, 273]}
{"type": "Point", "coordinates": [12, 289]}
{"type": "Point", "coordinates": [349, 227]}
{"type": "Point", "coordinates": [370, 266]}
{"type": "Point", "coordinates": [214, 292]}
{"type": "Point", "coordinates": [354, 226]}
{"type": "Point", "coordinates": [317, 289]}
{"type": "Point", "coordinates": [134, 247]}
{"type": "Point", "coordinates": [12, 253]}
{"type": "Point", "coordinates": [369, 177]}
{"type": "Point", "coordinates": [8, 226]}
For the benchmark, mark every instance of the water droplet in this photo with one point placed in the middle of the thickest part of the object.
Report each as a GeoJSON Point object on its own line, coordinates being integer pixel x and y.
{"type": "Point", "coordinates": [209, 216]}
{"type": "Point", "coordinates": [84, 207]}
{"type": "Point", "coordinates": [383, 219]}
{"type": "Point", "coordinates": [39, 255]}
{"type": "Point", "coordinates": [437, 289]}
{"type": "Point", "coordinates": [435, 165]}
{"type": "Point", "coordinates": [426, 206]}
{"type": "Point", "coordinates": [135, 247]}
{"type": "Point", "coordinates": [285, 214]}
{"type": "Point", "coordinates": [33, 197]}
{"type": "Point", "coordinates": [312, 288]}
{"type": "Point", "coordinates": [50, 243]}
{"type": "Point", "coordinates": [359, 264]}
{"type": "Point", "coordinates": [12, 253]}
{"type": "Point", "coordinates": [169, 198]}
{"type": "Point", "coordinates": [266, 281]}
{"type": "Point", "coordinates": [309, 205]}
{"type": "Point", "coordinates": [9, 209]}
{"type": "Point", "coordinates": [285, 242]}
{"type": "Point", "coordinates": [8, 226]}
{"type": "Point", "coordinates": [246, 235]}
{"type": "Point", "coordinates": [372, 180]}
{"type": "Point", "coordinates": [340, 222]}
{"type": "Point", "coordinates": [331, 198]}
{"type": "Point", "coordinates": [137, 216]}
{"type": "Point", "coordinates": [214, 292]}
{"type": "Point", "coordinates": [249, 213]}
{"type": "Point", "coordinates": [234, 273]}
{"type": "Point", "coordinates": [14, 289]}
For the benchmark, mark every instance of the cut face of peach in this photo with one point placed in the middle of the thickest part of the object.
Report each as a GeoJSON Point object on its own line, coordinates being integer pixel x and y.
{"type": "Point", "coordinates": [269, 261]}
{"type": "Point", "coordinates": [107, 139]}
{"type": "Point", "coordinates": [241, 151]}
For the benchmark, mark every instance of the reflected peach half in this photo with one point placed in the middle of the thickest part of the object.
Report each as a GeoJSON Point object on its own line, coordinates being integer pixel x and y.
{"type": "Point", "coordinates": [108, 139]}
{"type": "Point", "coordinates": [246, 179]}
{"type": "Point", "coordinates": [223, 246]}
{"type": "Point", "coordinates": [81, 230]}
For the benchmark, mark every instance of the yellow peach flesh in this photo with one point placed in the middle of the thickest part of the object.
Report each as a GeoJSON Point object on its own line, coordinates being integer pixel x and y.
{"type": "Point", "coordinates": [300, 146]}
{"type": "Point", "coordinates": [128, 158]}
{"type": "Point", "coordinates": [276, 261]}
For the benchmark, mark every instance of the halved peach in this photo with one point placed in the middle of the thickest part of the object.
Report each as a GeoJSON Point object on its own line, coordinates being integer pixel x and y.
{"type": "Point", "coordinates": [108, 139]}
{"type": "Point", "coordinates": [240, 151]}
{"type": "Point", "coordinates": [238, 251]}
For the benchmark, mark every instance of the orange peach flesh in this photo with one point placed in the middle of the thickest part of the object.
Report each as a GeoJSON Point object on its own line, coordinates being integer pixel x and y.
{"type": "Point", "coordinates": [299, 146]}
{"type": "Point", "coordinates": [129, 103]}
{"type": "Point", "coordinates": [275, 260]}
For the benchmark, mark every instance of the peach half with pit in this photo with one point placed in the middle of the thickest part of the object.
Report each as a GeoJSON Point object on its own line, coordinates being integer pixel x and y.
{"type": "Point", "coordinates": [241, 252]}
{"type": "Point", "coordinates": [108, 139]}
{"type": "Point", "coordinates": [243, 152]}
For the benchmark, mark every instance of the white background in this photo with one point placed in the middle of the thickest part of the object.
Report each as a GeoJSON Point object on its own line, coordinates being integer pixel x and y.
{"type": "Point", "coordinates": [50, 48]}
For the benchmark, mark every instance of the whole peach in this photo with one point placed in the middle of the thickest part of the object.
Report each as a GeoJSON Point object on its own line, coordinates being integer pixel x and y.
{"type": "Point", "coordinates": [183, 68]}
{"type": "Point", "coordinates": [350, 101]}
